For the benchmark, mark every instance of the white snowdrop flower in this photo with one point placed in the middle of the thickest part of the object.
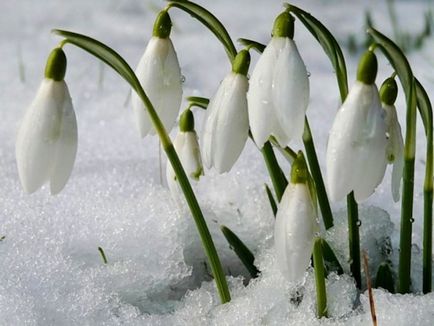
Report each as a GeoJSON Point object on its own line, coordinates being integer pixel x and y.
{"type": "Point", "coordinates": [296, 225]}
{"type": "Point", "coordinates": [279, 88]}
{"type": "Point", "coordinates": [47, 138]}
{"type": "Point", "coordinates": [226, 125]}
{"type": "Point", "coordinates": [187, 148]}
{"type": "Point", "coordinates": [356, 152]}
{"type": "Point", "coordinates": [395, 144]}
{"type": "Point", "coordinates": [160, 76]}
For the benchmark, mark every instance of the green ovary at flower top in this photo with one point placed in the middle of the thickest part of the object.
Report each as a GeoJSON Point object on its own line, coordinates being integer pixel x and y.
{"type": "Point", "coordinates": [226, 125]}
{"type": "Point", "coordinates": [47, 139]}
{"type": "Point", "coordinates": [279, 88]}
{"type": "Point", "coordinates": [160, 76]}
{"type": "Point", "coordinates": [356, 151]}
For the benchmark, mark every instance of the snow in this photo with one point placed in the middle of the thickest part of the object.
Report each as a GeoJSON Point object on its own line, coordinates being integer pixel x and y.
{"type": "Point", "coordinates": [51, 272]}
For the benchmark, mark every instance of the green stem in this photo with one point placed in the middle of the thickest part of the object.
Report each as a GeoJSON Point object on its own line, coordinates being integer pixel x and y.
{"type": "Point", "coordinates": [425, 108]}
{"type": "Point", "coordinates": [354, 239]}
{"type": "Point", "coordinates": [114, 60]}
{"type": "Point", "coordinates": [321, 293]}
{"type": "Point", "coordinates": [312, 158]}
{"type": "Point", "coordinates": [406, 227]}
{"type": "Point", "coordinates": [276, 174]}
{"type": "Point", "coordinates": [199, 219]}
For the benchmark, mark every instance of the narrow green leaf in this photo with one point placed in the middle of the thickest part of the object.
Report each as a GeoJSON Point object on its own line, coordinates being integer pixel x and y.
{"type": "Point", "coordinates": [210, 21]}
{"type": "Point", "coordinates": [241, 251]}
{"type": "Point", "coordinates": [274, 170]}
{"type": "Point", "coordinates": [331, 261]}
{"type": "Point", "coordinates": [328, 43]}
{"type": "Point", "coordinates": [103, 256]}
{"type": "Point", "coordinates": [320, 287]}
{"type": "Point", "coordinates": [201, 102]}
{"type": "Point", "coordinates": [384, 278]}
{"type": "Point", "coordinates": [271, 199]}
{"type": "Point", "coordinates": [102, 52]}
{"type": "Point", "coordinates": [252, 44]}
{"type": "Point", "coordinates": [399, 62]}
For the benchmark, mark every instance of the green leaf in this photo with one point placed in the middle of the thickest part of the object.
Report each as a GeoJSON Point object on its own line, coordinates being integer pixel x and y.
{"type": "Point", "coordinates": [102, 52]}
{"type": "Point", "coordinates": [252, 44]}
{"type": "Point", "coordinates": [210, 21]}
{"type": "Point", "coordinates": [384, 278]}
{"type": "Point", "coordinates": [271, 200]}
{"type": "Point", "coordinates": [328, 43]}
{"type": "Point", "coordinates": [201, 102]}
{"type": "Point", "coordinates": [241, 251]}
{"type": "Point", "coordinates": [275, 171]}
{"type": "Point", "coordinates": [330, 259]}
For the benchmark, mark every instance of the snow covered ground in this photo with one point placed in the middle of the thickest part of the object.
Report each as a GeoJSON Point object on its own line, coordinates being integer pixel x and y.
{"type": "Point", "coordinates": [51, 272]}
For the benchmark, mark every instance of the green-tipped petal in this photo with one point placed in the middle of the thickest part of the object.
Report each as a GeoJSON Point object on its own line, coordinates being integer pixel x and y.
{"type": "Point", "coordinates": [299, 172]}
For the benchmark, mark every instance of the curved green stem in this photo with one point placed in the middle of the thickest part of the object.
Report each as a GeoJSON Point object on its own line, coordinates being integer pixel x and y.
{"type": "Point", "coordinates": [114, 60]}
{"type": "Point", "coordinates": [276, 174]}
{"type": "Point", "coordinates": [312, 158]}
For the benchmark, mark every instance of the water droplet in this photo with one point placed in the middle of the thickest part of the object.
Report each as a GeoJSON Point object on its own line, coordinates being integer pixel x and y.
{"type": "Point", "coordinates": [308, 74]}
{"type": "Point", "coordinates": [412, 220]}
{"type": "Point", "coordinates": [182, 79]}
{"type": "Point", "coordinates": [359, 223]}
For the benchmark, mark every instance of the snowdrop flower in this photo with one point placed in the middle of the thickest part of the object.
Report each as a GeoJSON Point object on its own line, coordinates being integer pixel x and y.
{"type": "Point", "coordinates": [395, 145]}
{"type": "Point", "coordinates": [47, 139]}
{"type": "Point", "coordinates": [160, 76]}
{"type": "Point", "coordinates": [226, 125]}
{"type": "Point", "coordinates": [279, 88]}
{"type": "Point", "coordinates": [296, 224]}
{"type": "Point", "coordinates": [356, 152]}
{"type": "Point", "coordinates": [187, 148]}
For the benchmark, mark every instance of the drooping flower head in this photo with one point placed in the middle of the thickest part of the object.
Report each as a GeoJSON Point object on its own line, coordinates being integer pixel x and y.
{"type": "Point", "coordinates": [226, 125]}
{"type": "Point", "coordinates": [160, 76]}
{"type": "Point", "coordinates": [296, 224]}
{"type": "Point", "coordinates": [279, 88]}
{"type": "Point", "coordinates": [356, 152]}
{"type": "Point", "coordinates": [47, 139]}
{"type": "Point", "coordinates": [187, 148]}
{"type": "Point", "coordinates": [395, 142]}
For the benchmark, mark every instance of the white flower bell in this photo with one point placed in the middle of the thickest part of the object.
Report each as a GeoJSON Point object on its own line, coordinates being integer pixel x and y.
{"type": "Point", "coordinates": [356, 151]}
{"type": "Point", "coordinates": [160, 76]}
{"type": "Point", "coordinates": [47, 139]}
{"type": "Point", "coordinates": [187, 148]}
{"type": "Point", "coordinates": [226, 125]}
{"type": "Point", "coordinates": [279, 88]}
{"type": "Point", "coordinates": [395, 145]}
{"type": "Point", "coordinates": [296, 224]}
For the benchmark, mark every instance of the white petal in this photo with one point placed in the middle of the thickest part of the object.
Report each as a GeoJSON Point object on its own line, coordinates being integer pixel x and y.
{"type": "Point", "coordinates": [357, 144]}
{"type": "Point", "coordinates": [38, 134]}
{"type": "Point", "coordinates": [294, 232]}
{"type": "Point", "coordinates": [231, 125]}
{"type": "Point", "coordinates": [159, 74]}
{"type": "Point", "coordinates": [290, 90]}
{"type": "Point", "coordinates": [262, 117]}
{"type": "Point", "coordinates": [65, 148]}
{"type": "Point", "coordinates": [395, 148]}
